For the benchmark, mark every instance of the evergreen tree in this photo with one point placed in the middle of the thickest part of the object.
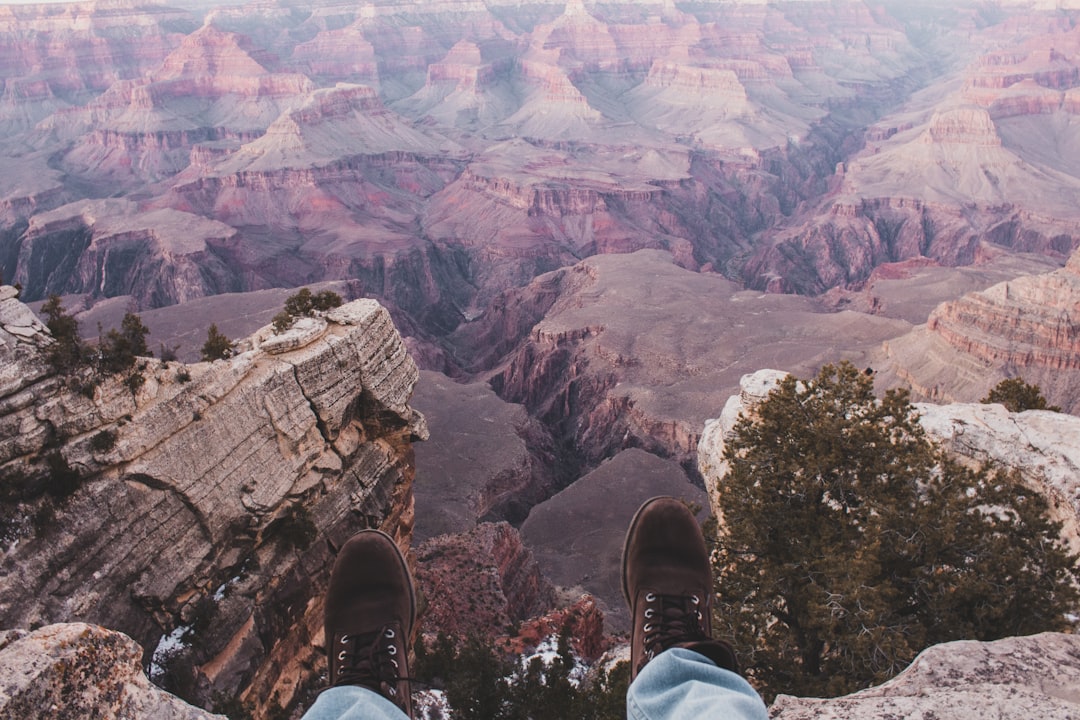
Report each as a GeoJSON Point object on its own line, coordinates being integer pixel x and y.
{"type": "Point", "coordinates": [543, 691]}
{"type": "Point", "coordinates": [68, 352]}
{"type": "Point", "coordinates": [849, 542]}
{"type": "Point", "coordinates": [478, 687]}
{"type": "Point", "coordinates": [134, 332]}
{"type": "Point", "coordinates": [605, 698]}
{"type": "Point", "coordinates": [217, 345]}
{"type": "Point", "coordinates": [117, 350]}
{"type": "Point", "coordinates": [1018, 396]}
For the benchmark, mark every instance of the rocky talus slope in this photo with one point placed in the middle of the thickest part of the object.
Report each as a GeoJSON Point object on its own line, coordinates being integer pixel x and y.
{"type": "Point", "coordinates": [206, 503]}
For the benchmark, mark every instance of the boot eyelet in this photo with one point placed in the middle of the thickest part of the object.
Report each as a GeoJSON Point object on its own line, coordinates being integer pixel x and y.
{"type": "Point", "coordinates": [344, 639]}
{"type": "Point", "coordinates": [649, 613]}
{"type": "Point", "coordinates": [696, 600]}
{"type": "Point", "coordinates": [392, 650]}
{"type": "Point", "coordinates": [650, 597]}
{"type": "Point", "coordinates": [394, 663]}
{"type": "Point", "coordinates": [649, 627]}
{"type": "Point", "coordinates": [389, 633]}
{"type": "Point", "coordinates": [392, 692]}
{"type": "Point", "coordinates": [341, 656]}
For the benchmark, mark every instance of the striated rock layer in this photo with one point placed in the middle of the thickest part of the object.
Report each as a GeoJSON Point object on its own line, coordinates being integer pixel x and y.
{"type": "Point", "coordinates": [1028, 326]}
{"type": "Point", "coordinates": [480, 582]}
{"type": "Point", "coordinates": [1031, 321]}
{"type": "Point", "coordinates": [209, 500]}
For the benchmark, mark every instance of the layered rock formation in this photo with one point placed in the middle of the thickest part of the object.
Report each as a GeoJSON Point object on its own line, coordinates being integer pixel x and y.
{"type": "Point", "coordinates": [1035, 675]}
{"type": "Point", "coordinates": [634, 351]}
{"type": "Point", "coordinates": [487, 460]}
{"type": "Point", "coordinates": [1032, 321]}
{"type": "Point", "coordinates": [638, 128]}
{"type": "Point", "coordinates": [1027, 326]}
{"type": "Point", "coordinates": [205, 502]}
{"type": "Point", "coordinates": [110, 247]}
{"type": "Point", "coordinates": [951, 175]}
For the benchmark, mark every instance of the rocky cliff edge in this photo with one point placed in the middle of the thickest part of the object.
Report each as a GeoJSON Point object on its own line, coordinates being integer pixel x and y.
{"type": "Point", "coordinates": [199, 511]}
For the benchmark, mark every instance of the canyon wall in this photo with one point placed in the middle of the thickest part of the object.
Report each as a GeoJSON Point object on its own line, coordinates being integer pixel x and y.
{"type": "Point", "coordinates": [1025, 327]}
{"type": "Point", "coordinates": [202, 507]}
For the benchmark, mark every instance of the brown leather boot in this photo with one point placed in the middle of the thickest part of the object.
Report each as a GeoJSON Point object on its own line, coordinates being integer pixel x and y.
{"type": "Point", "coordinates": [370, 611]}
{"type": "Point", "coordinates": [667, 580]}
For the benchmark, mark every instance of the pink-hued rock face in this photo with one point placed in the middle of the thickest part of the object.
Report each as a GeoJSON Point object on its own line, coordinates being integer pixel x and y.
{"type": "Point", "coordinates": [195, 489]}
{"type": "Point", "coordinates": [463, 149]}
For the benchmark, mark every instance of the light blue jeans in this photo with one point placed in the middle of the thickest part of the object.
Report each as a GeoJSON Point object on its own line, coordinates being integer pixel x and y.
{"type": "Point", "coordinates": [676, 685]}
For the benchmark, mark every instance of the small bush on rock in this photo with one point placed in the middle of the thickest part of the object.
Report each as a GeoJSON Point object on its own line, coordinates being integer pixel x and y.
{"type": "Point", "coordinates": [103, 441]}
{"type": "Point", "coordinates": [304, 304]}
{"type": "Point", "coordinates": [1018, 396]}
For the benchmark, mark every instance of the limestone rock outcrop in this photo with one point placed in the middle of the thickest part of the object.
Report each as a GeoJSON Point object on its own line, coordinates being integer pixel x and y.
{"type": "Point", "coordinates": [1037, 676]}
{"type": "Point", "coordinates": [205, 502]}
{"type": "Point", "coordinates": [73, 671]}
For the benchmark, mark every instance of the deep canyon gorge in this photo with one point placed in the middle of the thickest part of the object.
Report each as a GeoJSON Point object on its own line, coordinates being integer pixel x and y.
{"type": "Point", "coordinates": [583, 223]}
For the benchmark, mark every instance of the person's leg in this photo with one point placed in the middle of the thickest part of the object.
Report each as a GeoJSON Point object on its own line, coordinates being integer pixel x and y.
{"type": "Point", "coordinates": [352, 702]}
{"type": "Point", "coordinates": [370, 612]}
{"type": "Point", "coordinates": [677, 669]}
{"type": "Point", "coordinates": [681, 684]}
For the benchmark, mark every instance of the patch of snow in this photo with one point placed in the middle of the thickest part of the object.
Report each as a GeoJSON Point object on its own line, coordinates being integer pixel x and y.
{"type": "Point", "coordinates": [219, 594]}
{"type": "Point", "coordinates": [431, 705]}
{"type": "Point", "coordinates": [167, 647]}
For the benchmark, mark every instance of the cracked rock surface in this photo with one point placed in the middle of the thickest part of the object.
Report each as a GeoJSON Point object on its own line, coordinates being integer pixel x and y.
{"type": "Point", "coordinates": [212, 497]}
{"type": "Point", "coordinates": [74, 671]}
{"type": "Point", "coordinates": [1025, 677]}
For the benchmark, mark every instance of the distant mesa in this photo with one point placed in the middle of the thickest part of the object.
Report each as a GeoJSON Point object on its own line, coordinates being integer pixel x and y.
{"type": "Point", "coordinates": [965, 126]}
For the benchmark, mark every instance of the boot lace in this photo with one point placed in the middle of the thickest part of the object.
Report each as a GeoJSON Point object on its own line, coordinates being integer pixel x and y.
{"type": "Point", "coordinates": [371, 660]}
{"type": "Point", "coordinates": [670, 620]}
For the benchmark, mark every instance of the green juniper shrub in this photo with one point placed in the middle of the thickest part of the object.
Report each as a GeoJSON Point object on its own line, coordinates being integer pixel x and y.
{"type": "Point", "coordinates": [118, 349]}
{"type": "Point", "coordinates": [167, 354]}
{"type": "Point", "coordinates": [217, 345]}
{"type": "Point", "coordinates": [232, 707]}
{"type": "Point", "coordinates": [62, 480]}
{"type": "Point", "coordinates": [68, 352]}
{"type": "Point", "coordinates": [134, 381]}
{"type": "Point", "coordinates": [872, 543]}
{"type": "Point", "coordinates": [304, 304]}
{"type": "Point", "coordinates": [103, 441]}
{"type": "Point", "coordinates": [295, 529]}
{"type": "Point", "coordinates": [282, 322]}
{"type": "Point", "coordinates": [1018, 396]}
